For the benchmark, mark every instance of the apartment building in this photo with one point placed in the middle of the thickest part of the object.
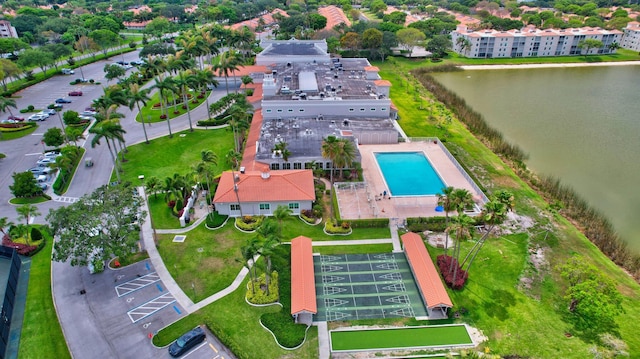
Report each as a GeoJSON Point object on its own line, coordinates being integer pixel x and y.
{"type": "Point", "coordinates": [631, 37]}
{"type": "Point", "coordinates": [531, 42]}
{"type": "Point", "coordinates": [308, 96]}
{"type": "Point", "coordinates": [6, 30]}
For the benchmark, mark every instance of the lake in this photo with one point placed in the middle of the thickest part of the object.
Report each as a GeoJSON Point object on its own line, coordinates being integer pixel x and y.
{"type": "Point", "coordinates": [581, 125]}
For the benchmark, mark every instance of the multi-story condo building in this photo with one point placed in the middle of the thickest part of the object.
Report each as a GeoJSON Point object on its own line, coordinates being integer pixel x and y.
{"type": "Point", "coordinates": [531, 42]}
{"type": "Point", "coordinates": [631, 37]}
{"type": "Point", "coordinates": [6, 30]}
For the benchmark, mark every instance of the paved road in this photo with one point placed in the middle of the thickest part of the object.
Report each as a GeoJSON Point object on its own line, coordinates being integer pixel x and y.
{"type": "Point", "coordinates": [96, 319]}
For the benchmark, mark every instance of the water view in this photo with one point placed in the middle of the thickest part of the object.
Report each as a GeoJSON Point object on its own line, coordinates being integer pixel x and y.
{"type": "Point", "coordinates": [581, 125]}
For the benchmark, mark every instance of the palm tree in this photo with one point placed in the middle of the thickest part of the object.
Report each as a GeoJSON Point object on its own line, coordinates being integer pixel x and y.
{"type": "Point", "coordinates": [152, 185]}
{"type": "Point", "coordinates": [208, 158]}
{"type": "Point", "coordinates": [7, 104]}
{"type": "Point", "coordinates": [136, 96]}
{"type": "Point", "coordinates": [329, 151]}
{"type": "Point", "coordinates": [445, 200]}
{"type": "Point", "coordinates": [249, 250]}
{"type": "Point", "coordinates": [205, 79]}
{"type": "Point", "coordinates": [269, 238]}
{"type": "Point", "coordinates": [164, 85]}
{"type": "Point", "coordinates": [116, 132]}
{"type": "Point", "coordinates": [4, 222]}
{"type": "Point", "coordinates": [494, 212]}
{"type": "Point", "coordinates": [281, 213]}
{"type": "Point", "coordinates": [182, 82]}
{"type": "Point", "coordinates": [227, 64]}
{"type": "Point", "coordinates": [461, 199]}
{"type": "Point", "coordinates": [101, 132]}
{"type": "Point", "coordinates": [233, 158]}
{"type": "Point", "coordinates": [74, 134]}
{"type": "Point", "coordinates": [345, 156]}
{"type": "Point", "coordinates": [461, 226]}
{"type": "Point", "coordinates": [26, 212]}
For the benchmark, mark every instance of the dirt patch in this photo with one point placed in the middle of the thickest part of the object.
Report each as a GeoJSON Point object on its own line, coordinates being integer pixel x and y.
{"type": "Point", "coordinates": [212, 264]}
{"type": "Point", "coordinates": [514, 223]}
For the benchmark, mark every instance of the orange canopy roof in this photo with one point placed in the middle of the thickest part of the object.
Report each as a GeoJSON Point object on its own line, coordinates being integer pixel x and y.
{"type": "Point", "coordinates": [429, 282]}
{"type": "Point", "coordinates": [278, 186]}
{"type": "Point", "coordinates": [303, 282]}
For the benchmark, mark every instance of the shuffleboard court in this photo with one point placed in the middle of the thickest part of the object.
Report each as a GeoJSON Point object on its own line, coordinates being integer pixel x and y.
{"type": "Point", "coordinates": [365, 286]}
{"type": "Point", "coordinates": [396, 338]}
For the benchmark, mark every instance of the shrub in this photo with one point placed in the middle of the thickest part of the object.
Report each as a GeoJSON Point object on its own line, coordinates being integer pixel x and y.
{"type": "Point", "coordinates": [35, 234]}
{"type": "Point", "coordinates": [287, 332]}
{"type": "Point", "coordinates": [370, 223]}
{"type": "Point", "coordinates": [171, 204]}
{"type": "Point", "coordinates": [259, 296]}
{"type": "Point", "coordinates": [421, 224]}
{"type": "Point", "coordinates": [249, 223]}
{"type": "Point", "coordinates": [333, 228]}
{"type": "Point", "coordinates": [444, 262]}
{"type": "Point", "coordinates": [215, 220]}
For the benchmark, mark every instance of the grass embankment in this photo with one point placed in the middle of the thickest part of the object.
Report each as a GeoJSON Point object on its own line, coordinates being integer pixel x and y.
{"type": "Point", "coordinates": [152, 114]}
{"type": "Point", "coordinates": [163, 157]}
{"type": "Point", "coordinates": [516, 304]}
{"type": "Point", "coordinates": [12, 135]}
{"type": "Point", "coordinates": [400, 338]}
{"type": "Point", "coordinates": [41, 332]}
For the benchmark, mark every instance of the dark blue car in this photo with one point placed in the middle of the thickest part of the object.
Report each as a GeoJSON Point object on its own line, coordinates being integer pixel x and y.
{"type": "Point", "coordinates": [186, 342]}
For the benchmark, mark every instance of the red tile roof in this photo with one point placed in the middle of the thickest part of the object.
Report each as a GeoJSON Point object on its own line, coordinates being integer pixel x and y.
{"type": "Point", "coordinates": [382, 83]}
{"type": "Point", "coordinates": [334, 16]}
{"type": "Point", "coordinates": [285, 185]}
{"type": "Point", "coordinates": [303, 283]}
{"type": "Point", "coordinates": [427, 277]}
{"type": "Point", "coordinates": [267, 19]}
{"type": "Point", "coordinates": [249, 156]}
{"type": "Point", "coordinates": [372, 68]}
{"type": "Point", "coordinates": [244, 70]}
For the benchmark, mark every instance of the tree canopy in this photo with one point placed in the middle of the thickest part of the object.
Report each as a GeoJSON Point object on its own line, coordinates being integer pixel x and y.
{"type": "Point", "coordinates": [99, 226]}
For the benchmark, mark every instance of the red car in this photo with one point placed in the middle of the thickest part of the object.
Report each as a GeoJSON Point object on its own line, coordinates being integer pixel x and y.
{"type": "Point", "coordinates": [16, 118]}
{"type": "Point", "coordinates": [75, 93]}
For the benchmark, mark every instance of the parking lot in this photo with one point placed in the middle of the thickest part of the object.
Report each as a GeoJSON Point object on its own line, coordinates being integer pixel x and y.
{"type": "Point", "coordinates": [128, 306]}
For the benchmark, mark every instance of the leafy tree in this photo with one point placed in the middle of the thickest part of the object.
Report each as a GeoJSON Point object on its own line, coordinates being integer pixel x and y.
{"type": "Point", "coordinates": [396, 17]}
{"type": "Point", "coordinates": [113, 71]}
{"type": "Point", "coordinates": [101, 224]}
{"type": "Point", "coordinates": [589, 44]}
{"type": "Point", "coordinates": [53, 137]}
{"type": "Point", "coordinates": [27, 212]}
{"type": "Point", "coordinates": [6, 104]}
{"type": "Point", "coordinates": [57, 51]}
{"type": "Point", "coordinates": [157, 48]}
{"type": "Point", "coordinates": [377, 6]}
{"type": "Point", "coordinates": [105, 39]}
{"type": "Point", "coordinates": [350, 41]}
{"type": "Point", "coordinates": [372, 40]}
{"type": "Point", "coordinates": [4, 223]}
{"type": "Point", "coordinates": [107, 23]}
{"type": "Point", "coordinates": [317, 21]}
{"type": "Point", "coordinates": [35, 58]}
{"type": "Point", "coordinates": [153, 185]}
{"type": "Point", "coordinates": [26, 23]}
{"type": "Point", "coordinates": [86, 44]}
{"type": "Point", "coordinates": [8, 69]}
{"type": "Point", "coordinates": [158, 27]}
{"type": "Point", "coordinates": [71, 118]}
{"type": "Point", "coordinates": [409, 38]}
{"type": "Point", "coordinates": [593, 298]}
{"type": "Point", "coordinates": [439, 45]}
{"type": "Point", "coordinates": [389, 40]}
{"type": "Point", "coordinates": [25, 185]}
{"type": "Point", "coordinates": [12, 45]}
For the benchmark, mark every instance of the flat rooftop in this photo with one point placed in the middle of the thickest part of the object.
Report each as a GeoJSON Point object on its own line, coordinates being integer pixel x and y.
{"type": "Point", "coordinates": [304, 135]}
{"type": "Point", "coordinates": [343, 78]}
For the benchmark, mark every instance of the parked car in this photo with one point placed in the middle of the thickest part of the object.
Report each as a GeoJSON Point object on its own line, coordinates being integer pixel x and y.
{"type": "Point", "coordinates": [67, 72]}
{"type": "Point", "coordinates": [15, 118]}
{"type": "Point", "coordinates": [63, 100]}
{"type": "Point", "coordinates": [49, 111]}
{"type": "Point", "coordinates": [9, 121]}
{"type": "Point", "coordinates": [85, 118]}
{"type": "Point", "coordinates": [75, 93]}
{"type": "Point", "coordinates": [43, 186]}
{"type": "Point", "coordinates": [186, 342]}
{"type": "Point", "coordinates": [137, 62]}
{"type": "Point", "coordinates": [38, 117]}
{"type": "Point", "coordinates": [46, 161]}
{"type": "Point", "coordinates": [56, 106]}
{"type": "Point", "coordinates": [88, 113]}
{"type": "Point", "coordinates": [40, 170]}
{"type": "Point", "coordinates": [52, 154]}
{"type": "Point", "coordinates": [40, 178]}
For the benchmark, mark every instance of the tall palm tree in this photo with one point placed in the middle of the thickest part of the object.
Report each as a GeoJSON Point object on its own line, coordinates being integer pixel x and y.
{"type": "Point", "coordinates": [101, 132]}
{"type": "Point", "coordinates": [445, 200]}
{"type": "Point", "coordinates": [182, 82]}
{"type": "Point", "coordinates": [164, 85]}
{"type": "Point", "coordinates": [345, 156]}
{"type": "Point", "coordinates": [460, 199]}
{"type": "Point", "coordinates": [280, 214]}
{"type": "Point", "coordinates": [136, 96]}
{"type": "Point", "coordinates": [152, 185]}
{"type": "Point", "coordinates": [249, 250]}
{"type": "Point", "coordinates": [116, 133]}
{"type": "Point", "coordinates": [208, 158]}
{"type": "Point", "coordinates": [205, 79]}
{"type": "Point", "coordinates": [329, 151]}
{"type": "Point", "coordinates": [269, 238]}
{"type": "Point", "coordinates": [26, 212]}
{"type": "Point", "coordinates": [227, 64]}
{"type": "Point", "coordinates": [7, 104]}
{"type": "Point", "coordinates": [461, 226]}
{"type": "Point", "coordinates": [494, 213]}
{"type": "Point", "coordinates": [233, 158]}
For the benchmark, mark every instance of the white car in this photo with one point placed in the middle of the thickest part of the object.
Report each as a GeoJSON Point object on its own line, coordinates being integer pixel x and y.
{"type": "Point", "coordinates": [52, 154]}
{"type": "Point", "coordinates": [38, 117]}
{"type": "Point", "coordinates": [88, 113]}
{"type": "Point", "coordinates": [46, 162]}
{"type": "Point", "coordinates": [49, 111]}
{"type": "Point", "coordinates": [67, 72]}
{"type": "Point", "coordinates": [40, 178]}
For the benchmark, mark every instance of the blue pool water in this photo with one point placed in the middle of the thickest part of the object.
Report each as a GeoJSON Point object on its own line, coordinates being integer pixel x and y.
{"type": "Point", "coordinates": [409, 174]}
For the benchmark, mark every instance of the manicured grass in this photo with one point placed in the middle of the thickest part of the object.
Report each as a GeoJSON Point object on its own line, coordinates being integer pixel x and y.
{"type": "Point", "coordinates": [293, 227]}
{"type": "Point", "coordinates": [33, 200]}
{"type": "Point", "coordinates": [8, 136]}
{"type": "Point", "coordinates": [400, 338]}
{"type": "Point", "coordinates": [41, 333]}
{"type": "Point", "coordinates": [161, 214]}
{"type": "Point", "coordinates": [360, 249]}
{"type": "Point", "coordinates": [152, 114]}
{"type": "Point", "coordinates": [163, 157]}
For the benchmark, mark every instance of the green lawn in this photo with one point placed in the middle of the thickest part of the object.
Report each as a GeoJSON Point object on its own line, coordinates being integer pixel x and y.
{"type": "Point", "coordinates": [165, 156]}
{"type": "Point", "coordinates": [41, 333]}
{"type": "Point", "coordinates": [400, 338]}
{"type": "Point", "coordinates": [359, 249]}
{"type": "Point", "coordinates": [32, 200]}
{"type": "Point", "coordinates": [8, 136]}
{"type": "Point", "coordinates": [152, 114]}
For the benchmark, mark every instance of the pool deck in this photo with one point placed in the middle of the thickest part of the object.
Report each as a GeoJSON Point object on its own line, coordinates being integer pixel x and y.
{"type": "Point", "coordinates": [404, 206]}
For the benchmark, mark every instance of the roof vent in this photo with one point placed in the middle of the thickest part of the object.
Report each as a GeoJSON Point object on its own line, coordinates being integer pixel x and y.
{"type": "Point", "coordinates": [265, 175]}
{"type": "Point", "coordinates": [242, 170]}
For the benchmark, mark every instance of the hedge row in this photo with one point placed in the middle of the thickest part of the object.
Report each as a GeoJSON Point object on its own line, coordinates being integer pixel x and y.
{"type": "Point", "coordinates": [215, 219]}
{"type": "Point", "coordinates": [370, 223]}
{"type": "Point", "coordinates": [16, 127]}
{"type": "Point", "coordinates": [421, 224]}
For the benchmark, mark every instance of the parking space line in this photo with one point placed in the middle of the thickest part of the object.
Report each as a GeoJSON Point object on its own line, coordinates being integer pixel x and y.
{"type": "Point", "coordinates": [146, 309]}
{"type": "Point", "coordinates": [195, 349]}
{"type": "Point", "coordinates": [136, 284]}
{"type": "Point", "coordinates": [212, 347]}
{"type": "Point", "coordinates": [176, 309]}
{"type": "Point", "coordinates": [159, 287]}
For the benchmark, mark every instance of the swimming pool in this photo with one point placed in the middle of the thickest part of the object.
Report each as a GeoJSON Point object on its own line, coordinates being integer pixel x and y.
{"type": "Point", "coordinates": [409, 174]}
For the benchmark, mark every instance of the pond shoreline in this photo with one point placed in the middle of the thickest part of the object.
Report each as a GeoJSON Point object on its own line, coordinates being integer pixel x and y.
{"type": "Point", "coordinates": [544, 66]}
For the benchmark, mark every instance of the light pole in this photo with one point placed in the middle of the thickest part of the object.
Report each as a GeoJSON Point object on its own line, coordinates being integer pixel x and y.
{"type": "Point", "coordinates": [64, 130]}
